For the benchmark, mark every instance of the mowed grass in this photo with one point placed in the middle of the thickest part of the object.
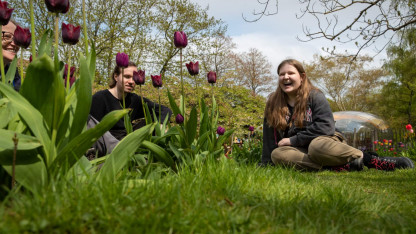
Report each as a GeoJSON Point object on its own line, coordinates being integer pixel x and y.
{"type": "Point", "coordinates": [222, 197]}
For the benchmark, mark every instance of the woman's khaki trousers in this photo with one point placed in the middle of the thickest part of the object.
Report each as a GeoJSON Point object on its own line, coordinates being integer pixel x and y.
{"type": "Point", "coordinates": [322, 151]}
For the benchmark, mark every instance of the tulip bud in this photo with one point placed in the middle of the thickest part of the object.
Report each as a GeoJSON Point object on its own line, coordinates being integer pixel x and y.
{"type": "Point", "coordinates": [139, 77]}
{"type": "Point", "coordinates": [193, 68]}
{"type": "Point", "coordinates": [5, 13]}
{"type": "Point", "coordinates": [122, 60]}
{"type": "Point", "coordinates": [180, 40]}
{"type": "Point", "coordinates": [71, 72]}
{"type": "Point", "coordinates": [409, 127]}
{"type": "Point", "coordinates": [22, 37]}
{"type": "Point", "coordinates": [251, 128]}
{"type": "Point", "coordinates": [179, 119]}
{"type": "Point", "coordinates": [220, 130]}
{"type": "Point", "coordinates": [57, 6]}
{"type": "Point", "coordinates": [71, 81]}
{"type": "Point", "coordinates": [157, 81]}
{"type": "Point", "coordinates": [212, 77]}
{"type": "Point", "coordinates": [70, 33]}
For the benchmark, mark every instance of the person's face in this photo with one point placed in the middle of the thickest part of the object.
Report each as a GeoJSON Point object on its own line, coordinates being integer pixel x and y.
{"type": "Point", "coordinates": [128, 80]}
{"type": "Point", "coordinates": [9, 48]}
{"type": "Point", "coordinates": [289, 79]}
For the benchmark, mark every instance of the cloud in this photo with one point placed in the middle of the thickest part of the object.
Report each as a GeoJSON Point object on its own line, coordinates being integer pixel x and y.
{"type": "Point", "coordinates": [275, 48]}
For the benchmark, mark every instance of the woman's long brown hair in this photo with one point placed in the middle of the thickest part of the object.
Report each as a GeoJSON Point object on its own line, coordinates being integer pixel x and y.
{"type": "Point", "coordinates": [276, 106]}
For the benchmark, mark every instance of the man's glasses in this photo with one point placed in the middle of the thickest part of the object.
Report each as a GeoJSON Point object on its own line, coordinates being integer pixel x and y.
{"type": "Point", "coordinates": [7, 37]}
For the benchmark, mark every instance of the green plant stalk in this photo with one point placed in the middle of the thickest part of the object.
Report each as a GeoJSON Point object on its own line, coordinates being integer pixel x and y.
{"type": "Point", "coordinates": [69, 70]}
{"type": "Point", "coordinates": [32, 29]}
{"type": "Point", "coordinates": [21, 64]}
{"type": "Point", "coordinates": [144, 110]}
{"type": "Point", "coordinates": [85, 27]}
{"type": "Point", "coordinates": [3, 75]}
{"type": "Point", "coordinates": [56, 32]}
{"type": "Point", "coordinates": [183, 93]}
{"type": "Point", "coordinates": [158, 91]}
{"type": "Point", "coordinates": [197, 93]}
{"type": "Point", "coordinates": [15, 141]}
{"type": "Point", "coordinates": [122, 84]}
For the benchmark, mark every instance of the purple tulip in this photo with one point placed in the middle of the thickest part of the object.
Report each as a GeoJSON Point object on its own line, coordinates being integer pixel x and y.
{"type": "Point", "coordinates": [251, 128]}
{"type": "Point", "coordinates": [71, 81]}
{"type": "Point", "coordinates": [122, 60]}
{"type": "Point", "coordinates": [139, 77]}
{"type": "Point", "coordinates": [57, 6]}
{"type": "Point", "coordinates": [212, 77]}
{"type": "Point", "coordinates": [71, 73]}
{"type": "Point", "coordinates": [157, 81]}
{"type": "Point", "coordinates": [179, 119]}
{"type": "Point", "coordinates": [180, 40]}
{"type": "Point", "coordinates": [70, 33]}
{"type": "Point", "coordinates": [193, 68]}
{"type": "Point", "coordinates": [22, 37]}
{"type": "Point", "coordinates": [220, 130]}
{"type": "Point", "coordinates": [5, 13]}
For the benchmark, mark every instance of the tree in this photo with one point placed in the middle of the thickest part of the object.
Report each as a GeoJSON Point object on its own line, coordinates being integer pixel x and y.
{"type": "Point", "coordinates": [355, 93]}
{"type": "Point", "coordinates": [255, 72]}
{"type": "Point", "coordinates": [400, 91]}
{"type": "Point", "coordinates": [364, 22]}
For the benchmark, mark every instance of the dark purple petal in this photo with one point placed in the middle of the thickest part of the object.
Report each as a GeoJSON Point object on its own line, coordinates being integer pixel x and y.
{"type": "Point", "coordinates": [57, 6]}
{"type": "Point", "coordinates": [22, 37]}
{"type": "Point", "coordinates": [212, 77]}
{"type": "Point", "coordinates": [5, 13]}
{"type": "Point", "coordinates": [139, 77]}
{"type": "Point", "coordinates": [156, 81]}
{"type": "Point", "coordinates": [251, 128]}
{"type": "Point", "coordinates": [179, 119]}
{"type": "Point", "coordinates": [70, 33]}
{"type": "Point", "coordinates": [193, 68]}
{"type": "Point", "coordinates": [220, 130]}
{"type": "Point", "coordinates": [122, 60]}
{"type": "Point", "coordinates": [71, 73]}
{"type": "Point", "coordinates": [180, 40]}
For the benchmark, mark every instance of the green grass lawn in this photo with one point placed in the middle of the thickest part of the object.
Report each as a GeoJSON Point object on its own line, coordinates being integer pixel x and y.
{"type": "Point", "coordinates": [222, 197]}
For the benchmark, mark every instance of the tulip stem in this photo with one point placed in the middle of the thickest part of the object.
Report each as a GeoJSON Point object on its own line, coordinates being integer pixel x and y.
{"type": "Point", "coordinates": [56, 32]}
{"type": "Point", "coordinates": [144, 109]}
{"type": "Point", "coordinates": [15, 141]}
{"type": "Point", "coordinates": [68, 75]}
{"type": "Point", "coordinates": [32, 29]}
{"type": "Point", "coordinates": [85, 27]}
{"type": "Point", "coordinates": [183, 94]}
{"type": "Point", "coordinates": [160, 116]}
{"type": "Point", "coordinates": [21, 64]}
{"type": "Point", "coordinates": [3, 76]}
{"type": "Point", "coordinates": [122, 83]}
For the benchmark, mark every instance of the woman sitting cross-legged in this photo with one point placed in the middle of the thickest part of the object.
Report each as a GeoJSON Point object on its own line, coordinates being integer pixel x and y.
{"type": "Point", "coordinates": [299, 129]}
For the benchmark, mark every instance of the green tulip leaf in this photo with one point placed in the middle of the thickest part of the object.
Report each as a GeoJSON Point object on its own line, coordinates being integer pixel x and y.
{"type": "Point", "coordinates": [191, 126]}
{"type": "Point", "coordinates": [75, 149]}
{"type": "Point", "coordinates": [49, 95]}
{"type": "Point", "coordinates": [45, 44]}
{"type": "Point", "coordinates": [32, 176]}
{"type": "Point", "coordinates": [91, 61]}
{"type": "Point", "coordinates": [83, 104]}
{"type": "Point", "coordinates": [32, 118]}
{"type": "Point", "coordinates": [124, 150]}
{"type": "Point", "coordinates": [160, 154]}
{"type": "Point", "coordinates": [26, 148]}
{"type": "Point", "coordinates": [173, 105]}
{"type": "Point", "coordinates": [11, 72]}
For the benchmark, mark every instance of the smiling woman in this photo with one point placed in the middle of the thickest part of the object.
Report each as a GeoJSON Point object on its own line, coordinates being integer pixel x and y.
{"type": "Point", "coordinates": [9, 50]}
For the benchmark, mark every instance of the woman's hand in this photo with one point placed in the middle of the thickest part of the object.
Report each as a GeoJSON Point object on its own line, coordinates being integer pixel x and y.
{"type": "Point", "coordinates": [284, 142]}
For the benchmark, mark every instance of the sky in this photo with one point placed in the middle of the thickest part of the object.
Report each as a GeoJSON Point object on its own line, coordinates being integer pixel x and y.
{"type": "Point", "coordinates": [274, 35]}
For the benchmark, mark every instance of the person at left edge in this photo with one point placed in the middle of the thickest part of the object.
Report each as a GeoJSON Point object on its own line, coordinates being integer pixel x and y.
{"type": "Point", "coordinates": [10, 50]}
